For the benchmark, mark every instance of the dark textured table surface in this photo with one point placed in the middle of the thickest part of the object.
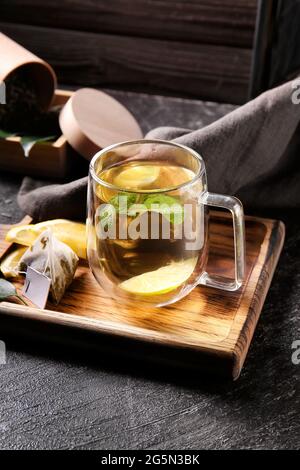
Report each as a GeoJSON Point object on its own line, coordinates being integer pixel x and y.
{"type": "Point", "coordinates": [53, 400]}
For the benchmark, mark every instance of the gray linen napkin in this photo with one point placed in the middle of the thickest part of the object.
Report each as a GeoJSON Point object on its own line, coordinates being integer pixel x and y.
{"type": "Point", "coordinates": [252, 153]}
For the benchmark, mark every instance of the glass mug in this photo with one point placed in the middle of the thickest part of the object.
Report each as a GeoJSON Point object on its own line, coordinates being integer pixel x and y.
{"type": "Point", "coordinates": [147, 222]}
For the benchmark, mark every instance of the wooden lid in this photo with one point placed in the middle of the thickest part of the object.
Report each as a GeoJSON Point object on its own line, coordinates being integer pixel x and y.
{"type": "Point", "coordinates": [92, 120]}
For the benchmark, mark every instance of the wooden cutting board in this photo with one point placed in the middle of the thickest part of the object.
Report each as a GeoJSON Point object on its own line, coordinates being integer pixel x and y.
{"type": "Point", "coordinates": [208, 330]}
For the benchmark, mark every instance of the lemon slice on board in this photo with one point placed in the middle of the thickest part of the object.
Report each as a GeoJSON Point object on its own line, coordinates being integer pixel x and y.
{"type": "Point", "coordinates": [161, 280]}
{"type": "Point", "coordinates": [137, 177]}
{"type": "Point", "coordinates": [71, 233]}
{"type": "Point", "coordinates": [22, 234]}
{"type": "Point", "coordinates": [9, 264]}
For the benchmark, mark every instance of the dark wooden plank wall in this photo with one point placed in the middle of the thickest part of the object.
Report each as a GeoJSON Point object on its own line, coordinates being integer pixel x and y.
{"type": "Point", "coordinates": [200, 48]}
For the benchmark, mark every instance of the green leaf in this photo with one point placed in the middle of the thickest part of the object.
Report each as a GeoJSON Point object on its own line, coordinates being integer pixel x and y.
{"type": "Point", "coordinates": [168, 206]}
{"type": "Point", "coordinates": [5, 134]}
{"type": "Point", "coordinates": [123, 201]}
{"type": "Point", "coordinates": [7, 289]}
{"type": "Point", "coordinates": [28, 141]}
{"type": "Point", "coordinates": [107, 215]}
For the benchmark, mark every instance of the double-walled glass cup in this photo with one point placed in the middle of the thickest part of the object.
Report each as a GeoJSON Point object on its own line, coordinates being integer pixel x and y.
{"type": "Point", "coordinates": [147, 224]}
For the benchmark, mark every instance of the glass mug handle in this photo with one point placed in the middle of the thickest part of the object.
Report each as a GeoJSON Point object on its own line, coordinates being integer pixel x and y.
{"type": "Point", "coordinates": [235, 207]}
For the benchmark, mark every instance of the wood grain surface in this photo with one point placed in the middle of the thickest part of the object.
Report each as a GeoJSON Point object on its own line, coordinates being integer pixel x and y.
{"type": "Point", "coordinates": [209, 71]}
{"type": "Point", "coordinates": [225, 22]}
{"type": "Point", "coordinates": [208, 324]}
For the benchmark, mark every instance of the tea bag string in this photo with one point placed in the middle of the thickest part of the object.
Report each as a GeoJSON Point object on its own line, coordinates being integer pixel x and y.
{"type": "Point", "coordinates": [16, 270]}
{"type": "Point", "coordinates": [46, 264]}
{"type": "Point", "coordinates": [48, 254]}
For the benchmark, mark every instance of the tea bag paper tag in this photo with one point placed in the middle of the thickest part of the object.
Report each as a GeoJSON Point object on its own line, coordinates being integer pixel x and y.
{"type": "Point", "coordinates": [36, 287]}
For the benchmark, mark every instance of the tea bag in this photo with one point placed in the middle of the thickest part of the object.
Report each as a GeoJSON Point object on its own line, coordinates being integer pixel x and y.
{"type": "Point", "coordinates": [55, 259]}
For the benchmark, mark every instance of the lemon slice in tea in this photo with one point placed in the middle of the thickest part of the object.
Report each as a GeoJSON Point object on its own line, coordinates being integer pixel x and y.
{"type": "Point", "coordinates": [161, 280]}
{"type": "Point", "coordinates": [9, 265]}
{"type": "Point", "coordinates": [136, 177]}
